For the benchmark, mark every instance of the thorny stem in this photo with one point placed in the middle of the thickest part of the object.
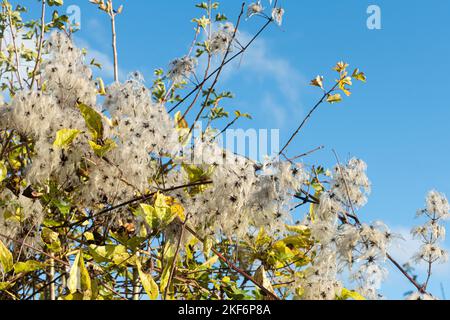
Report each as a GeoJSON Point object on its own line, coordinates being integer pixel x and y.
{"type": "Point", "coordinates": [41, 42]}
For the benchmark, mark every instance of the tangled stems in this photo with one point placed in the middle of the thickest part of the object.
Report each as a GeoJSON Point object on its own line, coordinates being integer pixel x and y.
{"type": "Point", "coordinates": [219, 68]}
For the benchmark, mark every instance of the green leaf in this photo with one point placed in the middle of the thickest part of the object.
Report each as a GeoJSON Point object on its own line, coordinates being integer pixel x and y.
{"type": "Point", "coordinates": [6, 258]}
{"type": "Point", "coordinates": [207, 246]}
{"type": "Point", "coordinates": [159, 215]}
{"type": "Point", "coordinates": [115, 253]}
{"type": "Point", "coordinates": [79, 280]}
{"type": "Point", "coordinates": [93, 120]}
{"type": "Point", "coordinates": [3, 171]}
{"type": "Point", "coordinates": [101, 150]}
{"type": "Point", "coordinates": [169, 255]}
{"type": "Point", "coordinates": [65, 137]}
{"type": "Point", "coordinates": [51, 239]}
{"type": "Point", "coordinates": [150, 286]}
{"type": "Point", "coordinates": [28, 266]}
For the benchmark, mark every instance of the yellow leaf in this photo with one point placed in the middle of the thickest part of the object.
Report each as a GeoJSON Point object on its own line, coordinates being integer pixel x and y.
{"type": "Point", "coordinates": [150, 286]}
{"type": "Point", "coordinates": [79, 280]}
{"type": "Point", "coordinates": [160, 214]}
{"type": "Point", "coordinates": [93, 119]}
{"type": "Point", "coordinates": [115, 253]}
{"type": "Point", "coordinates": [348, 294]}
{"type": "Point", "coordinates": [358, 75]}
{"type": "Point", "coordinates": [261, 277]}
{"type": "Point", "coordinates": [101, 150]}
{"type": "Point", "coordinates": [169, 255]}
{"type": "Point", "coordinates": [101, 87]}
{"type": "Point", "coordinates": [341, 66]}
{"type": "Point", "coordinates": [334, 98]}
{"type": "Point", "coordinates": [177, 209]}
{"type": "Point", "coordinates": [28, 266]}
{"type": "Point", "coordinates": [65, 137]}
{"type": "Point", "coordinates": [3, 171]}
{"type": "Point", "coordinates": [209, 263]}
{"type": "Point", "coordinates": [207, 246]}
{"type": "Point", "coordinates": [262, 238]}
{"type": "Point", "coordinates": [6, 258]}
{"type": "Point", "coordinates": [317, 82]}
{"type": "Point", "coordinates": [180, 123]}
{"type": "Point", "coordinates": [301, 229]}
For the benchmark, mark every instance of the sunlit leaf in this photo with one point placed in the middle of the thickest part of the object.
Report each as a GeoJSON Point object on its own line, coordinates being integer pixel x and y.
{"type": "Point", "coordinates": [101, 150]}
{"type": "Point", "coordinates": [65, 137]}
{"type": "Point", "coordinates": [358, 75]}
{"type": "Point", "coordinates": [93, 119]}
{"type": "Point", "coordinates": [6, 258]}
{"type": "Point", "coordinates": [261, 277]}
{"type": "Point", "coordinates": [317, 82]}
{"type": "Point", "coordinates": [334, 98]}
{"type": "Point", "coordinates": [348, 294]}
{"type": "Point", "coordinates": [79, 279]}
{"type": "Point", "coordinates": [27, 266]}
{"type": "Point", "coordinates": [3, 171]}
{"type": "Point", "coordinates": [149, 284]}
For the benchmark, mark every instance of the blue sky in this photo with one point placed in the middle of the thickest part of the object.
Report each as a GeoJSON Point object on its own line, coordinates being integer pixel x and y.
{"type": "Point", "coordinates": [397, 122]}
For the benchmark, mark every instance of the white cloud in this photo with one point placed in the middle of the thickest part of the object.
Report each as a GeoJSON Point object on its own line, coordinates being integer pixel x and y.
{"type": "Point", "coordinates": [262, 63]}
{"type": "Point", "coordinates": [261, 68]}
{"type": "Point", "coordinates": [104, 59]}
{"type": "Point", "coordinates": [403, 250]}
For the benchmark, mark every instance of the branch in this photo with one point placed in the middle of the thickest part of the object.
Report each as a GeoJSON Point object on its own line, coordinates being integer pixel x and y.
{"type": "Point", "coordinates": [307, 118]}
{"type": "Point", "coordinates": [41, 41]}
{"type": "Point", "coordinates": [112, 14]}
{"type": "Point", "coordinates": [201, 84]}
{"type": "Point", "coordinates": [216, 79]}
{"type": "Point", "coordinates": [132, 201]}
{"type": "Point", "coordinates": [235, 268]}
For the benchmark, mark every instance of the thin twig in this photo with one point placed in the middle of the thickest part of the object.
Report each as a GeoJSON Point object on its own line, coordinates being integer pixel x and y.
{"type": "Point", "coordinates": [325, 95]}
{"type": "Point", "coordinates": [174, 261]}
{"type": "Point", "coordinates": [132, 201]}
{"type": "Point", "coordinates": [240, 52]}
{"type": "Point", "coordinates": [41, 42]}
{"type": "Point", "coordinates": [235, 268]}
{"type": "Point", "coordinates": [16, 52]}
{"type": "Point", "coordinates": [216, 79]}
{"type": "Point", "coordinates": [112, 15]}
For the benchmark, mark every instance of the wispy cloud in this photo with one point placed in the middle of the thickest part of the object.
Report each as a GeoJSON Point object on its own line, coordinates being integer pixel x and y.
{"type": "Point", "coordinates": [263, 63]}
{"type": "Point", "coordinates": [275, 78]}
{"type": "Point", "coordinates": [107, 70]}
{"type": "Point", "coordinates": [281, 81]}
